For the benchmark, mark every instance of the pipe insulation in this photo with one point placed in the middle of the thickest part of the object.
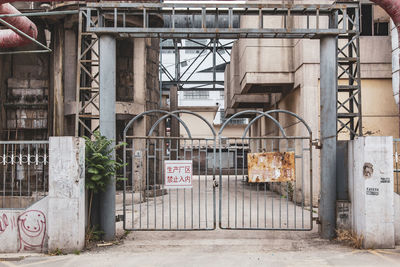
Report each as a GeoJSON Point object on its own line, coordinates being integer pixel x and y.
{"type": "Point", "coordinates": [9, 38]}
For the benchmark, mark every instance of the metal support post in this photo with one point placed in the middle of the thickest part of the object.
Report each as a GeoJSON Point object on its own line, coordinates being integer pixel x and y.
{"type": "Point", "coordinates": [214, 62]}
{"type": "Point", "coordinates": [328, 100]}
{"type": "Point", "coordinates": [107, 126]}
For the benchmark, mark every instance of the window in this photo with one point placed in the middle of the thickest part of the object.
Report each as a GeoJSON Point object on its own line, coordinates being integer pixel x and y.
{"type": "Point", "coordinates": [381, 28]}
{"type": "Point", "coordinates": [374, 22]}
{"type": "Point", "coordinates": [234, 121]}
{"type": "Point", "coordinates": [222, 94]}
{"type": "Point", "coordinates": [196, 94]}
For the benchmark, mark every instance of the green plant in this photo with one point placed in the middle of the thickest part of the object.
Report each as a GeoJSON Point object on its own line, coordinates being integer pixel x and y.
{"type": "Point", "coordinates": [77, 252]}
{"type": "Point", "coordinates": [94, 234]}
{"type": "Point", "coordinates": [57, 252]}
{"type": "Point", "coordinates": [100, 167]}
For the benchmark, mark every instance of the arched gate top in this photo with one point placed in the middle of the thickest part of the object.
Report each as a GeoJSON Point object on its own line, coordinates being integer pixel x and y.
{"type": "Point", "coordinates": [130, 123]}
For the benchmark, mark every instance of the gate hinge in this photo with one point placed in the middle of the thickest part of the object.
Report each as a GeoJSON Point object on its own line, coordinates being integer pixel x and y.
{"type": "Point", "coordinates": [119, 218]}
{"type": "Point", "coordinates": [317, 144]}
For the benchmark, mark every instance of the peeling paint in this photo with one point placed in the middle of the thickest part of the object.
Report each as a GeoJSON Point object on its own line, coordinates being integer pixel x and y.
{"type": "Point", "coordinates": [368, 170]}
{"type": "Point", "coordinates": [271, 167]}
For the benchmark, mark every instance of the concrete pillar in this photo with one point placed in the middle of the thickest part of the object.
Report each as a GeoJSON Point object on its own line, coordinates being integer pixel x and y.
{"type": "Point", "coordinates": [328, 100]}
{"type": "Point", "coordinates": [371, 190]}
{"type": "Point", "coordinates": [66, 216]}
{"type": "Point", "coordinates": [107, 126]}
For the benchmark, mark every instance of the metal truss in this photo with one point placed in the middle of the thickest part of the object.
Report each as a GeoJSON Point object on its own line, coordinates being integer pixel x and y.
{"type": "Point", "coordinates": [210, 20]}
{"type": "Point", "coordinates": [216, 21]}
{"type": "Point", "coordinates": [185, 80]}
{"type": "Point", "coordinates": [88, 84]}
{"type": "Point", "coordinates": [349, 114]}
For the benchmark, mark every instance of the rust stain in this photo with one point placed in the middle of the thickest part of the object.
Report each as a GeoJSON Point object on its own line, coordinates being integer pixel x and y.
{"type": "Point", "coordinates": [271, 167]}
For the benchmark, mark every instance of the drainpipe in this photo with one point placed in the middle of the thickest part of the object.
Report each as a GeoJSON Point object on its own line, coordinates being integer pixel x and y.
{"type": "Point", "coordinates": [392, 7]}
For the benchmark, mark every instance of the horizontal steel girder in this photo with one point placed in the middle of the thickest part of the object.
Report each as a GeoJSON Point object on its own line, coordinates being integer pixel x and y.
{"type": "Point", "coordinates": [210, 20]}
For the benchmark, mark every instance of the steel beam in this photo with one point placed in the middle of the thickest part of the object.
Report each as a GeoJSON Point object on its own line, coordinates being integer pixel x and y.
{"type": "Point", "coordinates": [211, 20]}
{"type": "Point", "coordinates": [107, 126]}
{"type": "Point", "coordinates": [328, 100]}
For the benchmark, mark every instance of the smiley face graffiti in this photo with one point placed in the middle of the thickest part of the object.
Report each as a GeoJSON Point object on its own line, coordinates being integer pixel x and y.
{"type": "Point", "coordinates": [32, 230]}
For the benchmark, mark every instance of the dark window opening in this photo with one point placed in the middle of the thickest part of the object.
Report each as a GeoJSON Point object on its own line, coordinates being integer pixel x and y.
{"type": "Point", "coordinates": [381, 28]}
{"type": "Point", "coordinates": [125, 70]}
{"type": "Point", "coordinates": [371, 27]}
{"type": "Point", "coordinates": [366, 20]}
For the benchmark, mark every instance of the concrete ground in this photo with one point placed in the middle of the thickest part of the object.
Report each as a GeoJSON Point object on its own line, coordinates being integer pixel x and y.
{"type": "Point", "coordinates": [216, 247]}
{"type": "Point", "coordinates": [243, 206]}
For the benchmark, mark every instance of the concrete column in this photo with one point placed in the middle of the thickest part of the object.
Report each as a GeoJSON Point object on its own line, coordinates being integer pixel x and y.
{"type": "Point", "coordinates": [107, 126]}
{"type": "Point", "coordinates": [328, 100]}
{"type": "Point", "coordinates": [66, 216]}
{"type": "Point", "coordinates": [371, 190]}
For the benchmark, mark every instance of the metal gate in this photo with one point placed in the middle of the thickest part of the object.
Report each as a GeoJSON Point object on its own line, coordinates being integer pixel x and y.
{"type": "Point", "coordinates": [148, 204]}
{"type": "Point", "coordinates": [248, 198]}
{"type": "Point", "coordinates": [266, 186]}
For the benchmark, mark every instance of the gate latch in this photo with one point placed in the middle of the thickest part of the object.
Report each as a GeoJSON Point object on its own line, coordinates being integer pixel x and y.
{"type": "Point", "coordinates": [215, 183]}
{"type": "Point", "coordinates": [317, 144]}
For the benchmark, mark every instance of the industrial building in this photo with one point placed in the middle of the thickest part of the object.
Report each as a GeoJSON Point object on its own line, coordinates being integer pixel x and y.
{"type": "Point", "coordinates": [277, 115]}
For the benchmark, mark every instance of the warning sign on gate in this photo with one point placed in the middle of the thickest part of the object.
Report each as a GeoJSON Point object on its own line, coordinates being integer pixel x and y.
{"type": "Point", "coordinates": [178, 173]}
{"type": "Point", "coordinates": [271, 167]}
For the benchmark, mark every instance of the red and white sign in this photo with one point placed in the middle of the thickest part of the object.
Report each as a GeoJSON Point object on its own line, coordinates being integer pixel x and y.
{"type": "Point", "coordinates": [178, 173]}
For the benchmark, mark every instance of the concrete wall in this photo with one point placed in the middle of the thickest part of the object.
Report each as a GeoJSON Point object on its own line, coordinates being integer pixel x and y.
{"type": "Point", "coordinates": [58, 220]}
{"type": "Point", "coordinates": [25, 230]}
{"type": "Point", "coordinates": [380, 112]}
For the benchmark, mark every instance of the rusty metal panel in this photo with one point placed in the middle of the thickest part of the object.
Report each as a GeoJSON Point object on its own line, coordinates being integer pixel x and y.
{"type": "Point", "coordinates": [271, 167]}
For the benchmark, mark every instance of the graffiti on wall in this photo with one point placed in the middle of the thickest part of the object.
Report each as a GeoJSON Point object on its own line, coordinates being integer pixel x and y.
{"type": "Point", "coordinates": [3, 223]}
{"type": "Point", "coordinates": [30, 226]}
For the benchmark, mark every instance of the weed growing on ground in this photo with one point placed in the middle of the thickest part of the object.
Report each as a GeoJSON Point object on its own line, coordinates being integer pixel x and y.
{"type": "Point", "coordinates": [349, 238]}
{"type": "Point", "coordinates": [56, 252]}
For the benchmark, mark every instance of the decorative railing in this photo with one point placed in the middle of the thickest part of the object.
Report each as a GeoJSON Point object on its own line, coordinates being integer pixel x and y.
{"type": "Point", "coordinates": [23, 172]}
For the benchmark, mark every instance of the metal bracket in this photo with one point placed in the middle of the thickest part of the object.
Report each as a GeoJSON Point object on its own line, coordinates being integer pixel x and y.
{"type": "Point", "coordinates": [317, 144]}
